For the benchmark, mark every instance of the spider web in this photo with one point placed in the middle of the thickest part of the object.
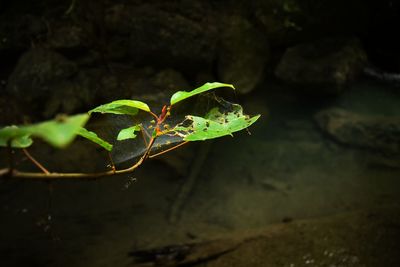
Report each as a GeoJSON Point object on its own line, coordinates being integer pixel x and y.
{"type": "Point", "coordinates": [107, 126]}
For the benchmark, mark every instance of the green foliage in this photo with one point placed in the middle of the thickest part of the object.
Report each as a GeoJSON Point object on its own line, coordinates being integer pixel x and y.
{"type": "Point", "coordinates": [218, 122]}
{"type": "Point", "coordinates": [128, 133]}
{"type": "Point", "coordinates": [182, 95]}
{"type": "Point", "coordinates": [215, 124]}
{"type": "Point", "coordinates": [58, 132]}
{"type": "Point", "coordinates": [123, 106]}
{"type": "Point", "coordinates": [92, 136]}
{"type": "Point", "coordinates": [16, 137]}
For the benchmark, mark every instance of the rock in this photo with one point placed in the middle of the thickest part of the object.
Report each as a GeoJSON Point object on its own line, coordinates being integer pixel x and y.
{"type": "Point", "coordinates": [44, 80]}
{"type": "Point", "coordinates": [139, 83]}
{"type": "Point", "coordinates": [67, 36]}
{"type": "Point", "coordinates": [166, 34]}
{"type": "Point", "coordinates": [379, 135]}
{"type": "Point", "coordinates": [242, 55]}
{"type": "Point", "coordinates": [323, 66]}
{"type": "Point", "coordinates": [37, 70]}
{"type": "Point", "coordinates": [18, 32]}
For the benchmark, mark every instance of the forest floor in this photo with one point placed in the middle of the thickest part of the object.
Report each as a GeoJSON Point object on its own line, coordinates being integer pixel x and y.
{"type": "Point", "coordinates": [286, 195]}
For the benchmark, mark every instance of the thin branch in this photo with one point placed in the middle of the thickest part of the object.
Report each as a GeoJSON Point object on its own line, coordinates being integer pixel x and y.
{"type": "Point", "coordinates": [111, 161]}
{"type": "Point", "coordinates": [78, 176]}
{"type": "Point", "coordinates": [37, 163]}
{"type": "Point", "coordinates": [154, 115]}
{"type": "Point", "coordinates": [143, 132]}
{"type": "Point", "coordinates": [168, 149]}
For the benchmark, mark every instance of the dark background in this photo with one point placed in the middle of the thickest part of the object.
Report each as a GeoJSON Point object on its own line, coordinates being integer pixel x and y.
{"type": "Point", "coordinates": [315, 184]}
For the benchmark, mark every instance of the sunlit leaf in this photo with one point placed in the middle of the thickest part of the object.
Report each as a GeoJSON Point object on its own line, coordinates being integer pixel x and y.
{"type": "Point", "coordinates": [128, 133]}
{"type": "Point", "coordinates": [17, 137]}
{"type": "Point", "coordinates": [123, 106]}
{"type": "Point", "coordinates": [182, 95]}
{"type": "Point", "coordinates": [58, 132]}
{"type": "Point", "coordinates": [22, 142]}
{"type": "Point", "coordinates": [92, 136]}
{"type": "Point", "coordinates": [215, 124]}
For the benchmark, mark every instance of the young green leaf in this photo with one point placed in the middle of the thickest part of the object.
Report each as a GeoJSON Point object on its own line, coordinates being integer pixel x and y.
{"type": "Point", "coordinates": [92, 136]}
{"type": "Point", "coordinates": [215, 124]}
{"type": "Point", "coordinates": [57, 132]}
{"type": "Point", "coordinates": [128, 133]}
{"type": "Point", "coordinates": [123, 106]}
{"type": "Point", "coordinates": [18, 138]}
{"type": "Point", "coordinates": [182, 95]}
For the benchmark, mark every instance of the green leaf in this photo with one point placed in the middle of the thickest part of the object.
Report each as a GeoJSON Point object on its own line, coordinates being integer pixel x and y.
{"type": "Point", "coordinates": [181, 95]}
{"type": "Point", "coordinates": [215, 124]}
{"type": "Point", "coordinates": [92, 136]}
{"type": "Point", "coordinates": [123, 106]}
{"type": "Point", "coordinates": [18, 138]}
{"type": "Point", "coordinates": [22, 142]}
{"type": "Point", "coordinates": [128, 133]}
{"type": "Point", "coordinates": [58, 132]}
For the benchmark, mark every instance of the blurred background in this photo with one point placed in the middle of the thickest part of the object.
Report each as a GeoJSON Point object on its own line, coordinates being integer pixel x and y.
{"type": "Point", "coordinates": [315, 184]}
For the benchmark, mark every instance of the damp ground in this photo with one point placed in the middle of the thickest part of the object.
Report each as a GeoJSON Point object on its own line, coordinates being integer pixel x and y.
{"type": "Point", "coordinates": [309, 200]}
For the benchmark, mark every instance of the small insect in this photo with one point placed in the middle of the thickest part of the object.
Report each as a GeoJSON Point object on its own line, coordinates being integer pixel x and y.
{"type": "Point", "coordinates": [130, 182]}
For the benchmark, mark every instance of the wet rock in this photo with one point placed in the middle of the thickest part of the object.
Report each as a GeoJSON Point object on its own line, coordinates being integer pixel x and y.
{"type": "Point", "coordinates": [380, 135]}
{"type": "Point", "coordinates": [323, 66]}
{"type": "Point", "coordinates": [18, 32]}
{"type": "Point", "coordinates": [146, 84]}
{"type": "Point", "coordinates": [37, 70]}
{"type": "Point", "coordinates": [67, 36]}
{"type": "Point", "coordinates": [43, 78]}
{"type": "Point", "coordinates": [243, 54]}
{"type": "Point", "coordinates": [166, 34]}
{"type": "Point", "coordinates": [10, 112]}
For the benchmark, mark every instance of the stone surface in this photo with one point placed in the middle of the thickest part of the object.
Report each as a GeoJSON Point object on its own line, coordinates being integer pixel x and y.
{"type": "Point", "coordinates": [166, 34]}
{"type": "Point", "coordinates": [375, 134]}
{"type": "Point", "coordinates": [242, 54]}
{"type": "Point", "coordinates": [18, 32]}
{"type": "Point", "coordinates": [37, 70]}
{"type": "Point", "coordinates": [327, 64]}
{"type": "Point", "coordinates": [42, 75]}
{"type": "Point", "coordinates": [68, 36]}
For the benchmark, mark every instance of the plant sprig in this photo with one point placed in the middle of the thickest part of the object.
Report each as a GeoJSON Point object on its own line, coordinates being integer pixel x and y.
{"type": "Point", "coordinates": [61, 131]}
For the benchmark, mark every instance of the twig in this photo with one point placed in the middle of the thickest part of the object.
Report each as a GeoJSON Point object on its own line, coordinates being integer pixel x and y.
{"type": "Point", "coordinates": [46, 175]}
{"type": "Point", "coordinates": [187, 186]}
{"type": "Point", "coordinates": [168, 150]}
{"type": "Point", "coordinates": [78, 176]}
{"type": "Point", "coordinates": [111, 162]}
{"type": "Point", "coordinates": [40, 166]}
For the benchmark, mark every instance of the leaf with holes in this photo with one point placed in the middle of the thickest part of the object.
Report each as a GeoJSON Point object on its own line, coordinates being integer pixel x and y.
{"type": "Point", "coordinates": [128, 133]}
{"type": "Point", "coordinates": [215, 124]}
